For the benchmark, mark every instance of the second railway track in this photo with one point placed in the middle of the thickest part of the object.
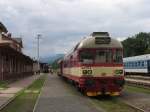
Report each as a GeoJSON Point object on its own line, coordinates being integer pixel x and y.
{"type": "Point", "coordinates": [134, 107]}
{"type": "Point", "coordinates": [140, 81]}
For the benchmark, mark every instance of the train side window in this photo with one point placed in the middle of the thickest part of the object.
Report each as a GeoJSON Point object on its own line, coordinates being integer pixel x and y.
{"type": "Point", "coordinates": [142, 63]}
{"type": "Point", "coordinates": [135, 64]}
{"type": "Point", "coordinates": [139, 63]}
{"type": "Point", "coordinates": [125, 64]}
{"type": "Point", "coordinates": [132, 64]}
{"type": "Point", "coordinates": [128, 64]}
{"type": "Point", "coordinates": [145, 63]}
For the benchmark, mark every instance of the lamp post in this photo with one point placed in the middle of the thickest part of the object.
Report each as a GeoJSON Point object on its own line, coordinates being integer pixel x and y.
{"type": "Point", "coordinates": [38, 50]}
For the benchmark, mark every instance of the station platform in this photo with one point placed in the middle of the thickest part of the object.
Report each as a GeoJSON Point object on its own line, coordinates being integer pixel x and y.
{"type": "Point", "coordinates": [58, 96]}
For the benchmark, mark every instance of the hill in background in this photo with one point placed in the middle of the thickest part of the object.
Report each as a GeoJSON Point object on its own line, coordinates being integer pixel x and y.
{"type": "Point", "coordinates": [51, 58]}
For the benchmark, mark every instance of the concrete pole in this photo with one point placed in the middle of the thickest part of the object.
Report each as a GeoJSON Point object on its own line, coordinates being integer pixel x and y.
{"type": "Point", "coordinates": [38, 50]}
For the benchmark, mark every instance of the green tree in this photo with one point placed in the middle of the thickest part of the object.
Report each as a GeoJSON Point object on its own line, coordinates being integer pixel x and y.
{"type": "Point", "coordinates": [137, 45]}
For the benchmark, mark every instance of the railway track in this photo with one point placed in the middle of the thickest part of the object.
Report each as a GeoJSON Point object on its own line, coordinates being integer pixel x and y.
{"type": "Point", "coordinates": [136, 97]}
{"type": "Point", "coordinates": [138, 82]}
{"type": "Point", "coordinates": [134, 107]}
{"type": "Point", "coordinates": [8, 102]}
{"type": "Point", "coordinates": [140, 77]}
{"type": "Point", "coordinates": [116, 105]}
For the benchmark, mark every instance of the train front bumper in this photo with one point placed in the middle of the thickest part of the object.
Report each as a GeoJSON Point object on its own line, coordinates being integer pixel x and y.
{"type": "Point", "coordinates": [94, 86]}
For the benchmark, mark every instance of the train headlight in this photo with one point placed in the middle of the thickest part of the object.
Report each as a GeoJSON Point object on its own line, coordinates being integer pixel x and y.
{"type": "Point", "coordinates": [118, 72]}
{"type": "Point", "coordinates": [87, 72]}
{"type": "Point", "coordinates": [84, 72]}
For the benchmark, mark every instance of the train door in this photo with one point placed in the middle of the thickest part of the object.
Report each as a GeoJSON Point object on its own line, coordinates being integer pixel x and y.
{"type": "Point", "coordinates": [148, 66]}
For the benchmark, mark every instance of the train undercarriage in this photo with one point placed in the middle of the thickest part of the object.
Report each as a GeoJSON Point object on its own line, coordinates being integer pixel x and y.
{"type": "Point", "coordinates": [95, 86]}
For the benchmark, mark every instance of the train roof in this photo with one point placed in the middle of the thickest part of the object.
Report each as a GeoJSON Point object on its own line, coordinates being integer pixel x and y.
{"type": "Point", "coordinates": [90, 41]}
{"type": "Point", "coordinates": [137, 58]}
{"type": "Point", "coordinates": [97, 40]}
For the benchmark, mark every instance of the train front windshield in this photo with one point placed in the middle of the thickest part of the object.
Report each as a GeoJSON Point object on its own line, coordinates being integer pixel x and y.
{"type": "Point", "coordinates": [87, 57]}
{"type": "Point", "coordinates": [101, 56]}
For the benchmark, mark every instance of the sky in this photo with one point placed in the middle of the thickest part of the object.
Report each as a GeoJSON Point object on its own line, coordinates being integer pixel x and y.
{"type": "Point", "coordinates": [62, 23]}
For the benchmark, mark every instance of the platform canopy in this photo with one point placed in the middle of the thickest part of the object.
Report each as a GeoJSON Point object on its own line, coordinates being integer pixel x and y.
{"type": "Point", "coordinates": [6, 49]}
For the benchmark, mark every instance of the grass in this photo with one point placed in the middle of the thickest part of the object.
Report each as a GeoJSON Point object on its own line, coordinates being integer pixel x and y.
{"type": "Point", "coordinates": [26, 99]}
{"type": "Point", "coordinates": [4, 84]}
{"type": "Point", "coordinates": [111, 104]}
{"type": "Point", "coordinates": [136, 89]}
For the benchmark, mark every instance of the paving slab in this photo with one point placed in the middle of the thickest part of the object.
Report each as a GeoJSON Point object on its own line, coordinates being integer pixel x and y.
{"type": "Point", "coordinates": [7, 94]}
{"type": "Point", "coordinates": [56, 96]}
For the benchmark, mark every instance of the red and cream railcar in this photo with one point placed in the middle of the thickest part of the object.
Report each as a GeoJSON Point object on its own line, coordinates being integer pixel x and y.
{"type": "Point", "coordinates": [95, 65]}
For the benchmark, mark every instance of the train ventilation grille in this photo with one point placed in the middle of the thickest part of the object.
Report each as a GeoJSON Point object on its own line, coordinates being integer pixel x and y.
{"type": "Point", "coordinates": [102, 40]}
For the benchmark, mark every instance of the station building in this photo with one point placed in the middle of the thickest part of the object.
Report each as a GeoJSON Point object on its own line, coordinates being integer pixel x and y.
{"type": "Point", "coordinates": [13, 63]}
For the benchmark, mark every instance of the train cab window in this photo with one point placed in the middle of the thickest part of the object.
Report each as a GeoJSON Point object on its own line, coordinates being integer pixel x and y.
{"type": "Point", "coordinates": [87, 57]}
{"type": "Point", "coordinates": [103, 56]}
{"type": "Point", "coordinates": [118, 58]}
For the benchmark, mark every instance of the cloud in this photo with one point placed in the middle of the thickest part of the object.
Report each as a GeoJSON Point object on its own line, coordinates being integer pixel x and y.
{"type": "Point", "coordinates": [63, 23]}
